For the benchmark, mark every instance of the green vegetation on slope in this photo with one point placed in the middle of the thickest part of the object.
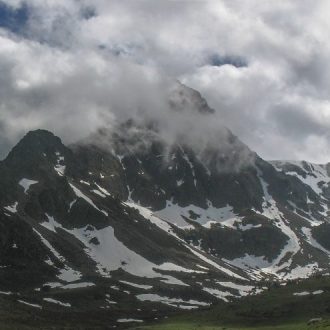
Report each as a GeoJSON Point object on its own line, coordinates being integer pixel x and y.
{"type": "Point", "coordinates": [277, 308]}
{"type": "Point", "coordinates": [196, 326]}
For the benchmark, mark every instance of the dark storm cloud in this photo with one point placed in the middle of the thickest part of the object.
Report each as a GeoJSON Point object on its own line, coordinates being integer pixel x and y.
{"type": "Point", "coordinates": [218, 60]}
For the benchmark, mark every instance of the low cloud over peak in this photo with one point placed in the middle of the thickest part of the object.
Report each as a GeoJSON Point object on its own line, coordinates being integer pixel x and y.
{"type": "Point", "coordinates": [72, 66]}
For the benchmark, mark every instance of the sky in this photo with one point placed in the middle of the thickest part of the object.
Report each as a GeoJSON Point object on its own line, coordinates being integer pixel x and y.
{"type": "Point", "coordinates": [74, 66]}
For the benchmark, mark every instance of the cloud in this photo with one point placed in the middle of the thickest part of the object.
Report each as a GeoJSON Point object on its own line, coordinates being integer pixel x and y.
{"type": "Point", "coordinates": [70, 93]}
{"type": "Point", "coordinates": [79, 64]}
{"type": "Point", "coordinates": [279, 103]}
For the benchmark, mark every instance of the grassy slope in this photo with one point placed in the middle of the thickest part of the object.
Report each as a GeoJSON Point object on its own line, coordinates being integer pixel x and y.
{"type": "Point", "coordinates": [277, 308]}
{"type": "Point", "coordinates": [193, 326]}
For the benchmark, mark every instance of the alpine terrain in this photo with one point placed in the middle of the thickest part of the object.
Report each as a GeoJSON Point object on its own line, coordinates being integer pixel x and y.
{"type": "Point", "coordinates": [124, 227]}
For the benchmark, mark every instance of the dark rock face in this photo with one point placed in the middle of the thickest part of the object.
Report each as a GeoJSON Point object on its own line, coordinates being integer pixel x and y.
{"type": "Point", "coordinates": [19, 245]}
{"type": "Point", "coordinates": [22, 255]}
{"type": "Point", "coordinates": [261, 240]}
{"type": "Point", "coordinates": [322, 235]}
{"type": "Point", "coordinates": [35, 154]}
{"type": "Point", "coordinates": [156, 174]}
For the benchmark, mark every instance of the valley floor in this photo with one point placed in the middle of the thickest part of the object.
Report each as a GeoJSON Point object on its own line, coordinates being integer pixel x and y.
{"type": "Point", "coordinates": [289, 307]}
{"type": "Point", "coordinates": [196, 326]}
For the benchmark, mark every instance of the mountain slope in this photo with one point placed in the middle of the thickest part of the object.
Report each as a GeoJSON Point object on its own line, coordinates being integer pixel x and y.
{"type": "Point", "coordinates": [66, 234]}
{"type": "Point", "coordinates": [128, 222]}
{"type": "Point", "coordinates": [253, 218]}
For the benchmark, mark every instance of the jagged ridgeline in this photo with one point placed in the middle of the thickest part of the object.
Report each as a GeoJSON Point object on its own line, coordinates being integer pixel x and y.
{"type": "Point", "coordinates": [131, 222]}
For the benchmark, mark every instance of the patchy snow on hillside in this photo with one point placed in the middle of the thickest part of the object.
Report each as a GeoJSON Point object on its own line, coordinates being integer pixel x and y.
{"type": "Point", "coordinates": [162, 224]}
{"type": "Point", "coordinates": [12, 208]}
{"type": "Point", "coordinates": [87, 199]}
{"type": "Point", "coordinates": [29, 304]}
{"type": "Point", "coordinates": [311, 240]}
{"type": "Point", "coordinates": [301, 271]}
{"type": "Point", "coordinates": [175, 268]}
{"type": "Point", "coordinates": [7, 293]}
{"type": "Point", "coordinates": [303, 293]}
{"type": "Point", "coordinates": [174, 302]}
{"type": "Point", "coordinates": [173, 213]}
{"type": "Point", "coordinates": [317, 292]}
{"type": "Point", "coordinates": [57, 302]}
{"type": "Point", "coordinates": [111, 254]}
{"type": "Point", "coordinates": [249, 261]}
{"type": "Point", "coordinates": [149, 215]}
{"type": "Point", "coordinates": [307, 293]}
{"type": "Point", "coordinates": [60, 167]}
{"type": "Point", "coordinates": [67, 274]}
{"type": "Point", "coordinates": [314, 174]}
{"type": "Point", "coordinates": [78, 285]}
{"type": "Point", "coordinates": [103, 191]}
{"type": "Point", "coordinates": [223, 295]}
{"type": "Point", "coordinates": [216, 265]}
{"type": "Point", "coordinates": [271, 211]}
{"type": "Point", "coordinates": [243, 290]}
{"type": "Point", "coordinates": [129, 321]}
{"type": "Point", "coordinates": [257, 266]}
{"type": "Point", "coordinates": [139, 286]}
{"type": "Point", "coordinates": [99, 193]}
{"type": "Point", "coordinates": [51, 224]}
{"type": "Point", "coordinates": [50, 247]}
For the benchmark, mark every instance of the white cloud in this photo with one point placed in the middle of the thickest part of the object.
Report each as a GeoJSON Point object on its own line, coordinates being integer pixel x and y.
{"type": "Point", "coordinates": [66, 67]}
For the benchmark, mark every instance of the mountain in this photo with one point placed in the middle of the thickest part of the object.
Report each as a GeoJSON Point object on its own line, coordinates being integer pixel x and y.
{"type": "Point", "coordinates": [127, 223]}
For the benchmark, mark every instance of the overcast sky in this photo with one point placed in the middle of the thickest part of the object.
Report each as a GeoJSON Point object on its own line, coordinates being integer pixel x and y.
{"type": "Point", "coordinates": [71, 66]}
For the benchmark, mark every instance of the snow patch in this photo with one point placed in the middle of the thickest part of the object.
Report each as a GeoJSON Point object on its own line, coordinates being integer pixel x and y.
{"type": "Point", "coordinates": [87, 199]}
{"type": "Point", "coordinates": [7, 293]}
{"type": "Point", "coordinates": [29, 304]}
{"type": "Point", "coordinates": [174, 302]}
{"type": "Point", "coordinates": [26, 184]}
{"type": "Point", "coordinates": [67, 274]}
{"type": "Point", "coordinates": [129, 320]}
{"type": "Point", "coordinates": [172, 267]}
{"type": "Point", "coordinates": [215, 265]}
{"type": "Point", "coordinates": [302, 271]}
{"type": "Point", "coordinates": [12, 208]}
{"type": "Point", "coordinates": [219, 294]}
{"type": "Point", "coordinates": [99, 193]}
{"type": "Point", "coordinates": [59, 167]}
{"type": "Point", "coordinates": [175, 214]}
{"type": "Point", "coordinates": [57, 302]}
{"type": "Point", "coordinates": [303, 293]}
{"type": "Point", "coordinates": [111, 254]}
{"type": "Point", "coordinates": [78, 285]}
{"type": "Point", "coordinates": [309, 238]}
{"type": "Point", "coordinates": [243, 290]}
{"type": "Point", "coordinates": [139, 286]}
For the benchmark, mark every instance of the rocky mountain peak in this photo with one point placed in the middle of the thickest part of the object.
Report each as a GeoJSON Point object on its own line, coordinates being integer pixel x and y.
{"type": "Point", "coordinates": [36, 143]}
{"type": "Point", "coordinates": [38, 151]}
